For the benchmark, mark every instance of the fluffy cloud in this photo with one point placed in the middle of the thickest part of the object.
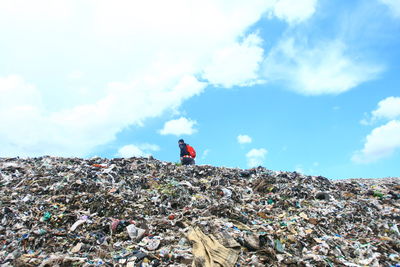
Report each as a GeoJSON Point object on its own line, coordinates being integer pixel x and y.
{"type": "Point", "coordinates": [380, 143]}
{"type": "Point", "coordinates": [394, 6]}
{"type": "Point", "coordinates": [294, 11]}
{"type": "Point", "coordinates": [325, 68]}
{"type": "Point", "coordinates": [20, 116]}
{"type": "Point", "coordinates": [144, 60]}
{"type": "Point", "coordinates": [383, 141]}
{"type": "Point", "coordinates": [40, 10]}
{"type": "Point", "coordinates": [181, 126]}
{"type": "Point", "coordinates": [75, 75]}
{"type": "Point", "coordinates": [389, 108]}
{"type": "Point", "coordinates": [15, 92]}
{"type": "Point", "coordinates": [236, 65]}
{"type": "Point", "coordinates": [300, 168]}
{"type": "Point", "coordinates": [143, 150]}
{"type": "Point", "coordinates": [244, 139]}
{"type": "Point", "coordinates": [256, 157]}
{"type": "Point", "coordinates": [29, 130]}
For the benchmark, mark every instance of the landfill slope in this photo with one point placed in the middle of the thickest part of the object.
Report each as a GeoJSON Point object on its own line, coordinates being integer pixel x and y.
{"type": "Point", "coordinates": [145, 212]}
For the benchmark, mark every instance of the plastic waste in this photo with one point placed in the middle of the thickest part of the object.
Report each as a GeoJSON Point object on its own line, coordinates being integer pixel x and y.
{"type": "Point", "coordinates": [46, 216]}
{"type": "Point", "coordinates": [139, 212]}
{"type": "Point", "coordinates": [78, 223]}
{"type": "Point", "coordinates": [134, 232]}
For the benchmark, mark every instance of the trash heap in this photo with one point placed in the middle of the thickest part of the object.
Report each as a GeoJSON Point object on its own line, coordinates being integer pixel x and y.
{"type": "Point", "coordinates": [145, 212]}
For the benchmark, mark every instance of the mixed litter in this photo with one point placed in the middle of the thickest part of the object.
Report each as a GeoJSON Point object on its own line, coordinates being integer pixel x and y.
{"type": "Point", "coordinates": [145, 212]}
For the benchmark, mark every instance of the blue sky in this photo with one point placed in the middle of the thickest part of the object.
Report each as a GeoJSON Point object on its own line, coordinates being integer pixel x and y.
{"type": "Point", "coordinates": [307, 85]}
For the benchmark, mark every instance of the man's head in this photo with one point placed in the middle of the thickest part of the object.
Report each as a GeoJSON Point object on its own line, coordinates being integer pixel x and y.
{"type": "Point", "coordinates": [181, 141]}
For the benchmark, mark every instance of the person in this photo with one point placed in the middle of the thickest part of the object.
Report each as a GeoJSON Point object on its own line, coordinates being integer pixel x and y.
{"type": "Point", "coordinates": [186, 158]}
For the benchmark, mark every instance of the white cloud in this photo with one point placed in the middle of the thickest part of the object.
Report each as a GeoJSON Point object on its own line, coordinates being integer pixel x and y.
{"type": "Point", "coordinates": [326, 68]}
{"type": "Point", "coordinates": [28, 130]}
{"type": "Point", "coordinates": [256, 157]}
{"type": "Point", "coordinates": [181, 126]}
{"type": "Point", "coordinates": [384, 140]}
{"type": "Point", "coordinates": [75, 75]}
{"type": "Point", "coordinates": [244, 139]}
{"type": "Point", "coordinates": [130, 151]}
{"type": "Point", "coordinates": [237, 64]}
{"type": "Point", "coordinates": [389, 108]}
{"type": "Point", "coordinates": [393, 5]}
{"type": "Point", "coordinates": [205, 153]}
{"type": "Point", "coordinates": [15, 92]}
{"type": "Point", "coordinates": [149, 147]}
{"type": "Point", "coordinates": [380, 143]}
{"type": "Point", "coordinates": [307, 171]}
{"type": "Point", "coordinates": [295, 11]}
{"type": "Point", "coordinates": [143, 150]}
{"type": "Point", "coordinates": [20, 117]}
{"type": "Point", "coordinates": [42, 10]}
{"type": "Point", "coordinates": [145, 54]}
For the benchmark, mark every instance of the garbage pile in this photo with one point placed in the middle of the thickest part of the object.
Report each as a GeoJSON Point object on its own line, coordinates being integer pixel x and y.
{"type": "Point", "coordinates": [145, 212]}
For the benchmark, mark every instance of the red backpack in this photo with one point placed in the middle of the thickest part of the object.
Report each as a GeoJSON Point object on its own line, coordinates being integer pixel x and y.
{"type": "Point", "coordinates": [191, 151]}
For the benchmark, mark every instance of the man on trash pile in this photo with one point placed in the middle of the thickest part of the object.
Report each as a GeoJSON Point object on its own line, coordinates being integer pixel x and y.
{"type": "Point", "coordinates": [187, 153]}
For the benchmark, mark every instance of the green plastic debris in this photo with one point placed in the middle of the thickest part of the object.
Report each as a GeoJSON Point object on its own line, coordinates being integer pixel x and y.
{"type": "Point", "coordinates": [278, 246]}
{"type": "Point", "coordinates": [329, 262]}
{"type": "Point", "coordinates": [46, 216]}
{"type": "Point", "coordinates": [378, 194]}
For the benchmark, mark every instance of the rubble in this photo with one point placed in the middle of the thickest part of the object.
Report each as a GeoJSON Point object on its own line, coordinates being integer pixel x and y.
{"type": "Point", "coordinates": [145, 212]}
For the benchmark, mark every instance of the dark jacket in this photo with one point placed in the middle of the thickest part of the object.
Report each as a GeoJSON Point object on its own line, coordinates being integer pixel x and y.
{"type": "Point", "coordinates": [184, 151]}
